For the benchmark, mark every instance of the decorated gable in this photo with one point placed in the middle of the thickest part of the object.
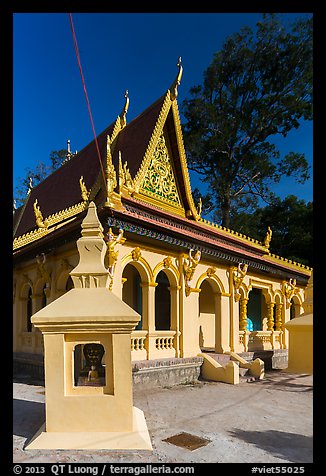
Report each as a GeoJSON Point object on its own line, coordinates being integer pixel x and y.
{"type": "Point", "coordinates": [159, 183]}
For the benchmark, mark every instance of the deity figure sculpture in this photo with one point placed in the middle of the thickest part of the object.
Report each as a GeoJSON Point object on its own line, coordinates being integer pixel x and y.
{"type": "Point", "coordinates": [112, 255]}
{"type": "Point", "coordinates": [268, 237]}
{"type": "Point", "coordinates": [92, 374]}
{"type": "Point", "coordinates": [289, 289]}
{"type": "Point", "coordinates": [41, 259]}
{"type": "Point", "coordinates": [200, 206]}
{"type": "Point", "coordinates": [238, 276]}
{"type": "Point", "coordinates": [189, 267]}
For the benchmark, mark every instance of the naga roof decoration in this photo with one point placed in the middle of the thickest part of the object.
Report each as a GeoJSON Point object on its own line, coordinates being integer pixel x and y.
{"type": "Point", "coordinates": [145, 168]}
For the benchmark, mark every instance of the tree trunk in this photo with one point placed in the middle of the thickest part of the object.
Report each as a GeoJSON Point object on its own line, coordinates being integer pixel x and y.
{"type": "Point", "coordinates": [225, 210]}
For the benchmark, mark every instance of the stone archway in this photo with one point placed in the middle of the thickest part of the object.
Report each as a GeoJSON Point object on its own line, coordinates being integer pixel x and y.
{"type": "Point", "coordinates": [213, 315]}
{"type": "Point", "coordinates": [295, 307]}
{"type": "Point", "coordinates": [132, 290]}
{"type": "Point", "coordinates": [206, 317]}
{"type": "Point", "coordinates": [162, 302]}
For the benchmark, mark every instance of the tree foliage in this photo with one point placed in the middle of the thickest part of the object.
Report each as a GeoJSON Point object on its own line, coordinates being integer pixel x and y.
{"type": "Point", "coordinates": [257, 86]}
{"type": "Point", "coordinates": [291, 221]}
{"type": "Point", "coordinates": [36, 175]}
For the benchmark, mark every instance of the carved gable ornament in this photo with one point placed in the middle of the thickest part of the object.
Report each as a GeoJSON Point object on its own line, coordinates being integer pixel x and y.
{"type": "Point", "coordinates": [159, 181]}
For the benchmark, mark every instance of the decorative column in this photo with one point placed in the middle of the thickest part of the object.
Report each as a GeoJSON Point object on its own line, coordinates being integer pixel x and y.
{"type": "Point", "coordinates": [243, 314]}
{"type": "Point", "coordinates": [189, 326]}
{"type": "Point", "coordinates": [148, 290]}
{"type": "Point", "coordinates": [270, 316]}
{"type": "Point", "coordinates": [36, 305]}
{"type": "Point", "coordinates": [278, 316]}
{"type": "Point", "coordinates": [174, 296]}
{"type": "Point", "coordinates": [243, 322]}
{"type": "Point", "coordinates": [222, 322]}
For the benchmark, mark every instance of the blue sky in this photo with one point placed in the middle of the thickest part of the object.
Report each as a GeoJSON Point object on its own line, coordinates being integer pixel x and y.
{"type": "Point", "coordinates": [137, 52]}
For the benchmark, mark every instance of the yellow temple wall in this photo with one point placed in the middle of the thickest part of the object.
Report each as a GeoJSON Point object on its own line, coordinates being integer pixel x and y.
{"type": "Point", "coordinates": [193, 323]}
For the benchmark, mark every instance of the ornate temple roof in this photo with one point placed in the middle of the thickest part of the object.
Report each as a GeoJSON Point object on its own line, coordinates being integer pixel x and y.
{"type": "Point", "coordinates": [142, 179]}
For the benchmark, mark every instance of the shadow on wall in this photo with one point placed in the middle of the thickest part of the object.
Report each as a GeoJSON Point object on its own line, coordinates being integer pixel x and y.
{"type": "Point", "coordinates": [291, 447]}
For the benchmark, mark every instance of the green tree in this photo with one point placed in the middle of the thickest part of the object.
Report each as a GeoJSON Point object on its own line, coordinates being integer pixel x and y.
{"type": "Point", "coordinates": [257, 86]}
{"type": "Point", "coordinates": [34, 176]}
{"type": "Point", "coordinates": [291, 221]}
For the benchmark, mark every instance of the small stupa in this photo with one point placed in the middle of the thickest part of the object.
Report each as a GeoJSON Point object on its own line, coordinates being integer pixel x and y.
{"type": "Point", "coordinates": [87, 359]}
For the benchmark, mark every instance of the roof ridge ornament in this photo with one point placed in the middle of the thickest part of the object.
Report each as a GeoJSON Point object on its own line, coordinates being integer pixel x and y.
{"type": "Point", "coordinates": [177, 81]}
{"type": "Point", "coordinates": [40, 222]}
{"type": "Point", "coordinates": [30, 185]}
{"type": "Point", "coordinates": [123, 120]}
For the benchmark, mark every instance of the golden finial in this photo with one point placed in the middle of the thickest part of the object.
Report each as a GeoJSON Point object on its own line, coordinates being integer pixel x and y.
{"type": "Point", "coordinates": [123, 120]}
{"type": "Point", "coordinates": [177, 81]}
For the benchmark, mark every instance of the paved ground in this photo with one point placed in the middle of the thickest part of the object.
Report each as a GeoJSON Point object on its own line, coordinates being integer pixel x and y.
{"type": "Point", "coordinates": [268, 421]}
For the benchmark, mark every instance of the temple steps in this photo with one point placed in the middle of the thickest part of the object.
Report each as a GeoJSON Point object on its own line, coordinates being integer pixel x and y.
{"type": "Point", "coordinates": [223, 359]}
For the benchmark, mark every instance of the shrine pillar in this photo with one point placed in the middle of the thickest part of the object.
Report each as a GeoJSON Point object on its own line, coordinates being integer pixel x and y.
{"type": "Point", "coordinates": [87, 359]}
{"type": "Point", "coordinates": [189, 326]}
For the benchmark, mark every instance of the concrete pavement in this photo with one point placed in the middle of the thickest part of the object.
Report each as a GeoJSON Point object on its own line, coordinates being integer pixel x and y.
{"type": "Point", "coordinates": [268, 421]}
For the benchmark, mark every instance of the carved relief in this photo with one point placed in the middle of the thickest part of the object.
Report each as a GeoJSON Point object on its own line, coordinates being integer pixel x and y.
{"type": "Point", "coordinates": [189, 266]}
{"type": "Point", "coordinates": [159, 179]}
{"type": "Point", "coordinates": [41, 269]}
{"type": "Point", "coordinates": [136, 254]}
{"type": "Point", "coordinates": [111, 255]}
{"type": "Point", "coordinates": [167, 262]}
{"type": "Point", "coordinates": [289, 290]}
{"type": "Point", "coordinates": [239, 274]}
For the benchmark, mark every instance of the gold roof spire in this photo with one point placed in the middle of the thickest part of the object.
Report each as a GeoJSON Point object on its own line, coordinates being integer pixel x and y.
{"type": "Point", "coordinates": [177, 81]}
{"type": "Point", "coordinates": [123, 114]}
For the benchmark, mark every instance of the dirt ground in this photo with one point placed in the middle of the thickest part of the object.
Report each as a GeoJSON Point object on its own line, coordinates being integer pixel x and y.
{"type": "Point", "coordinates": [267, 421]}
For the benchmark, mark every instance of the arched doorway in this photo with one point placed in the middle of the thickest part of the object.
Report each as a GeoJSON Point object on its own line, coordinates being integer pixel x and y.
{"type": "Point", "coordinates": [255, 310]}
{"type": "Point", "coordinates": [132, 291]}
{"type": "Point", "coordinates": [162, 303]}
{"type": "Point", "coordinates": [207, 310]}
{"type": "Point", "coordinates": [294, 307]}
{"type": "Point", "coordinates": [29, 311]}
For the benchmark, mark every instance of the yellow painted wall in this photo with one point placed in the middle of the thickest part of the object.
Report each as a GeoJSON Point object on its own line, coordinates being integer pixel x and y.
{"type": "Point", "coordinates": [220, 328]}
{"type": "Point", "coordinates": [300, 357]}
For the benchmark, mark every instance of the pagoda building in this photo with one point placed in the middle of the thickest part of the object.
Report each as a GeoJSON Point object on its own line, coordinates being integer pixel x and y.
{"type": "Point", "coordinates": [197, 285]}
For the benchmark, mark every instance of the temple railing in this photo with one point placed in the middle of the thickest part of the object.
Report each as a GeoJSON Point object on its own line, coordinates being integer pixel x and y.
{"type": "Point", "coordinates": [138, 345]}
{"type": "Point", "coordinates": [260, 340]}
{"type": "Point", "coordinates": [153, 345]}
